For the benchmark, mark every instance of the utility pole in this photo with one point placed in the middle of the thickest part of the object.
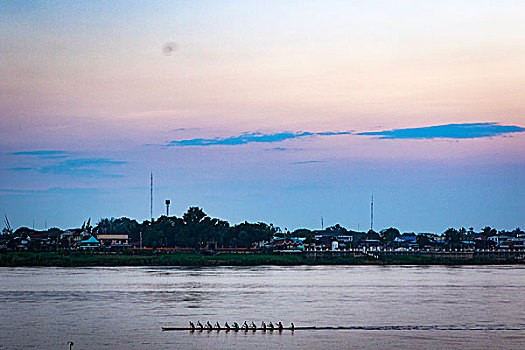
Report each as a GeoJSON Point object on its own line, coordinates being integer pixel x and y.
{"type": "Point", "coordinates": [322, 223]}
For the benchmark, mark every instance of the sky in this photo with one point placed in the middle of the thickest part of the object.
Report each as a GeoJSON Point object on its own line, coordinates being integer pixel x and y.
{"type": "Point", "coordinates": [275, 111]}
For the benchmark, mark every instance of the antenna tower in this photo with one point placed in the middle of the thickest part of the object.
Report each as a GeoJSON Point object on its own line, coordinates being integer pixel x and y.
{"type": "Point", "coordinates": [151, 197]}
{"type": "Point", "coordinates": [372, 213]}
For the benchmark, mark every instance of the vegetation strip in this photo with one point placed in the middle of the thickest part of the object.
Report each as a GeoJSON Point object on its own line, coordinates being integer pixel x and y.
{"type": "Point", "coordinates": [15, 259]}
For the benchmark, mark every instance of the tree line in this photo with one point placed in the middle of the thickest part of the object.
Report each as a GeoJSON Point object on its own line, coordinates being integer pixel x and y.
{"type": "Point", "coordinates": [195, 228]}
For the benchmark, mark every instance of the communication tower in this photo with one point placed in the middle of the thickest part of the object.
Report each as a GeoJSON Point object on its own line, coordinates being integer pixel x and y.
{"type": "Point", "coordinates": [151, 197]}
{"type": "Point", "coordinates": [372, 213]}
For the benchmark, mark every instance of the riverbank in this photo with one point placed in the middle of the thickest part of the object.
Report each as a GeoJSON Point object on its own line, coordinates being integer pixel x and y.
{"type": "Point", "coordinates": [12, 259]}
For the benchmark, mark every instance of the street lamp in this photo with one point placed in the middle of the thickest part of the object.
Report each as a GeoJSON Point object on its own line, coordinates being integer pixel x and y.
{"type": "Point", "coordinates": [168, 202]}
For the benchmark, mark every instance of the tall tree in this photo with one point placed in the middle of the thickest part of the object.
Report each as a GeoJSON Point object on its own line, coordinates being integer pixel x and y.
{"type": "Point", "coordinates": [452, 238]}
{"type": "Point", "coordinates": [336, 229]}
{"type": "Point", "coordinates": [389, 235]}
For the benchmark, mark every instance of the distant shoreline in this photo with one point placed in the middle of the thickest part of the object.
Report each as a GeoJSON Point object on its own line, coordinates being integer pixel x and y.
{"type": "Point", "coordinates": [30, 259]}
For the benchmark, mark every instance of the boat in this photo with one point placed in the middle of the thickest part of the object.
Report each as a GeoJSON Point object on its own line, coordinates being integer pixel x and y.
{"type": "Point", "coordinates": [295, 328]}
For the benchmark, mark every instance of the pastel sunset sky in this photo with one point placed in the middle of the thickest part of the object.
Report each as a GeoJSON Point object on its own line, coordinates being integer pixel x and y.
{"type": "Point", "coordinates": [274, 111]}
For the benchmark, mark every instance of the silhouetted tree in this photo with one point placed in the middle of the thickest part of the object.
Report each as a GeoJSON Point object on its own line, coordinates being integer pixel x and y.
{"type": "Point", "coordinates": [246, 234]}
{"type": "Point", "coordinates": [336, 229]}
{"type": "Point", "coordinates": [302, 232]}
{"type": "Point", "coordinates": [389, 235]}
{"type": "Point", "coordinates": [423, 240]}
{"type": "Point", "coordinates": [452, 238]}
{"type": "Point", "coordinates": [487, 232]}
{"type": "Point", "coordinates": [371, 234]}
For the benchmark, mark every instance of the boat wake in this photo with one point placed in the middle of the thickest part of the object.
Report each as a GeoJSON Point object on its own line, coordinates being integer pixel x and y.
{"type": "Point", "coordinates": [457, 327]}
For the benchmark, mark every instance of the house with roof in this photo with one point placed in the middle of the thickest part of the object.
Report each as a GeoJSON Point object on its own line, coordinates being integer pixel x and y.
{"type": "Point", "coordinates": [72, 237]}
{"type": "Point", "coordinates": [517, 242]}
{"type": "Point", "coordinates": [18, 244]}
{"type": "Point", "coordinates": [406, 241]}
{"type": "Point", "coordinates": [470, 245]}
{"type": "Point", "coordinates": [287, 243]}
{"type": "Point", "coordinates": [345, 241]}
{"type": "Point", "coordinates": [41, 242]}
{"type": "Point", "coordinates": [324, 242]}
{"type": "Point", "coordinates": [88, 244]}
{"type": "Point", "coordinates": [370, 244]}
{"type": "Point", "coordinates": [115, 241]}
{"type": "Point", "coordinates": [501, 238]}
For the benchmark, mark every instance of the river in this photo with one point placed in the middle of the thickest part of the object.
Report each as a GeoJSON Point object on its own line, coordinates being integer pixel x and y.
{"type": "Point", "coordinates": [391, 307]}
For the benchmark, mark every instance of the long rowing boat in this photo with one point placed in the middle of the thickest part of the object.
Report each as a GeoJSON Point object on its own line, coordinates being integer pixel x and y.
{"type": "Point", "coordinates": [267, 329]}
{"type": "Point", "coordinates": [459, 327]}
{"type": "Point", "coordinates": [197, 329]}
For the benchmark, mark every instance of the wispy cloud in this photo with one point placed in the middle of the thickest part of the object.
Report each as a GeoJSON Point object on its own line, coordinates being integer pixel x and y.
{"type": "Point", "coordinates": [82, 167]}
{"type": "Point", "coordinates": [39, 153]}
{"type": "Point", "coordinates": [308, 162]}
{"type": "Point", "coordinates": [283, 149]}
{"type": "Point", "coordinates": [334, 133]}
{"type": "Point", "coordinates": [86, 167]}
{"type": "Point", "coordinates": [185, 129]}
{"type": "Point", "coordinates": [52, 190]}
{"type": "Point", "coordinates": [21, 169]}
{"type": "Point", "coordinates": [448, 131]}
{"type": "Point", "coordinates": [254, 137]}
{"type": "Point", "coordinates": [84, 162]}
{"type": "Point", "coordinates": [44, 154]}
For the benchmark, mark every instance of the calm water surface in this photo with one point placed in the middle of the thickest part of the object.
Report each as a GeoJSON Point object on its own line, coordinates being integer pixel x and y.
{"type": "Point", "coordinates": [436, 307]}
